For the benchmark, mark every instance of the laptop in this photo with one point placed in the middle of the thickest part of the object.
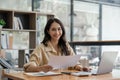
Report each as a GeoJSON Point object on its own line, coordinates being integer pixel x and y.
{"type": "Point", "coordinates": [105, 66]}
{"type": "Point", "coordinates": [107, 63]}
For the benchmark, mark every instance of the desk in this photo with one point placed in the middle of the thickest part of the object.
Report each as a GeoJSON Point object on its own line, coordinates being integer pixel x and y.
{"type": "Point", "coordinates": [115, 75]}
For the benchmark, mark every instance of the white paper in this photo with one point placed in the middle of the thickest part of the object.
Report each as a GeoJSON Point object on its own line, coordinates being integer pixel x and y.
{"type": "Point", "coordinates": [58, 62]}
{"type": "Point", "coordinates": [50, 73]}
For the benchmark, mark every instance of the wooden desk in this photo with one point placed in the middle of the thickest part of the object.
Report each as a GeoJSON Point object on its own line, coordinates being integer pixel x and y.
{"type": "Point", "coordinates": [115, 75]}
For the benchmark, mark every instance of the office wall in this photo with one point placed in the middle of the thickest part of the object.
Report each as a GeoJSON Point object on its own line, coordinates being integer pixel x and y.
{"type": "Point", "coordinates": [16, 4]}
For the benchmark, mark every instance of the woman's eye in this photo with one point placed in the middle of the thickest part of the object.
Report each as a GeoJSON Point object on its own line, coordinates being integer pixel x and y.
{"type": "Point", "coordinates": [53, 29]}
{"type": "Point", "coordinates": [59, 28]}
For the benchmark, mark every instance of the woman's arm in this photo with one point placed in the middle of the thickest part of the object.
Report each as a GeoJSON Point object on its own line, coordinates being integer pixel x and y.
{"type": "Point", "coordinates": [32, 67]}
{"type": "Point", "coordinates": [36, 61]}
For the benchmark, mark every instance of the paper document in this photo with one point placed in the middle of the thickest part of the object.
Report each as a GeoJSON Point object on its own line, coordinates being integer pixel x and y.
{"type": "Point", "coordinates": [58, 62]}
{"type": "Point", "coordinates": [50, 73]}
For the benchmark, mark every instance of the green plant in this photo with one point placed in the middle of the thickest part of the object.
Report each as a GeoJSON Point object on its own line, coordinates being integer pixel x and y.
{"type": "Point", "coordinates": [2, 22]}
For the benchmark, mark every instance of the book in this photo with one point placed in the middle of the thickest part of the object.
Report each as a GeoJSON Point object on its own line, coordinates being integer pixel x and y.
{"type": "Point", "coordinates": [50, 73]}
{"type": "Point", "coordinates": [4, 40]}
{"type": "Point", "coordinates": [10, 37]}
{"type": "Point", "coordinates": [17, 23]}
{"type": "Point", "coordinates": [20, 23]}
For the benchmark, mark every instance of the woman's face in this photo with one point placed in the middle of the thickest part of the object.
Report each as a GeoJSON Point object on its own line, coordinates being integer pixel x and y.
{"type": "Point", "coordinates": [55, 31]}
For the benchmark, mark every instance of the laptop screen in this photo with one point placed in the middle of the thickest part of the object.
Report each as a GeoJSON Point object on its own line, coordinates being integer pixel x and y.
{"type": "Point", "coordinates": [107, 62]}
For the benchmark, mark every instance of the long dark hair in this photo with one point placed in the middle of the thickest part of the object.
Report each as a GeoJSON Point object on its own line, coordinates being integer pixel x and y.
{"type": "Point", "coordinates": [62, 40]}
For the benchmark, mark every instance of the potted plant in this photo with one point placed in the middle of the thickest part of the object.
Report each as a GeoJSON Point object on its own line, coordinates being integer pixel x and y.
{"type": "Point", "coordinates": [2, 23]}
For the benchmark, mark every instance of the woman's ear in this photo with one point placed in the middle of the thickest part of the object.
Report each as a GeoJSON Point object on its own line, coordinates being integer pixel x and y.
{"type": "Point", "coordinates": [48, 31]}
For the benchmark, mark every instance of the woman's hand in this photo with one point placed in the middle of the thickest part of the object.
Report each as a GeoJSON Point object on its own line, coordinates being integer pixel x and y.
{"type": "Point", "coordinates": [81, 68]}
{"type": "Point", "coordinates": [32, 67]}
{"type": "Point", "coordinates": [78, 67]}
{"type": "Point", "coordinates": [45, 68]}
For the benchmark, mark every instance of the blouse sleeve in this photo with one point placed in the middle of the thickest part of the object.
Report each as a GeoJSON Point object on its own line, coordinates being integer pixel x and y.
{"type": "Point", "coordinates": [36, 56]}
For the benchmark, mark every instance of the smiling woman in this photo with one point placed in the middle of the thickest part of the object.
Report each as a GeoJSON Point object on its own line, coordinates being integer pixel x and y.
{"type": "Point", "coordinates": [54, 43]}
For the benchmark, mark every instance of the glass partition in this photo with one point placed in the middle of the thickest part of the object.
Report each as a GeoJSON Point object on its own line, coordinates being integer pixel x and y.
{"type": "Point", "coordinates": [60, 8]}
{"type": "Point", "coordinates": [86, 21]}
{"type": "Point", "coordinates": [111, 28]}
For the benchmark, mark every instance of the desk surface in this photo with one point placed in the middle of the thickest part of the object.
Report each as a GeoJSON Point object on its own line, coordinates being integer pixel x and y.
{"type": "Point", "coordinates": [115, 75]}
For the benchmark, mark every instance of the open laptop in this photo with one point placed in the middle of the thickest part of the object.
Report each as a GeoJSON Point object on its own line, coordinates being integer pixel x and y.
{"type": "Point", "coordinates": [107, 62]}
{"type": "Point", "coordinates": [105, 66]}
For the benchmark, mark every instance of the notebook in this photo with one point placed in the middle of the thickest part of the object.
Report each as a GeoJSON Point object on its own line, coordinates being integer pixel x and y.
{"type": "Point", "coordinates": [50, 73]}
{"type": "Point", "coordinates": [107, 62]}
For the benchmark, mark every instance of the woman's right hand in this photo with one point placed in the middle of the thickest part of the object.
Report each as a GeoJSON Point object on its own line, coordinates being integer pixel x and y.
{"type": "Point", "coordinates": [32, 67]}
{"type": "Point", "coordinates": [45, 68]}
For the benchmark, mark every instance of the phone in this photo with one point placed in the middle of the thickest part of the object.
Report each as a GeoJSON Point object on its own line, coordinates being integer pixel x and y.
{"type": "Point", "coordinates": [5, 64]}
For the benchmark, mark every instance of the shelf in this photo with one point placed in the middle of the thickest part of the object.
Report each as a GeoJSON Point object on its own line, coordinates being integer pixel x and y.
{"type": "Point", "coordinates": [24, 30]}
{"type": "Point", "coordinates": [18, 22]}
{"type": "Point", "coordinates": [17, 49]}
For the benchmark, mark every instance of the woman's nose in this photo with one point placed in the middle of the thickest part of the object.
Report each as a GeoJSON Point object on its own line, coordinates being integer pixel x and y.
{"type": "Point", "coordinates": [57, 31]}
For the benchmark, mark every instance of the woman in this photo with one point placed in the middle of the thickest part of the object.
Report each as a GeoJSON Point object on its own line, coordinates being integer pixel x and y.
{"type": "Point", "coordinates": [54, 43]}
